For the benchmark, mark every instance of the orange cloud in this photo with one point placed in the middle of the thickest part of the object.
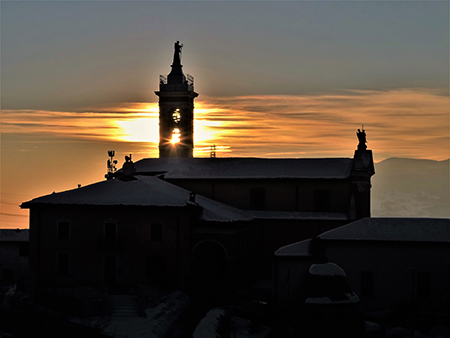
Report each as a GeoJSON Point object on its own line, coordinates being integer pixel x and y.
{"type": "Point", "coordinates": [401, 122]}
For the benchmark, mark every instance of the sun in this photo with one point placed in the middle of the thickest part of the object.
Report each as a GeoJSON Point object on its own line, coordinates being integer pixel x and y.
{"type": "Point", "coordinates": [175, 136]}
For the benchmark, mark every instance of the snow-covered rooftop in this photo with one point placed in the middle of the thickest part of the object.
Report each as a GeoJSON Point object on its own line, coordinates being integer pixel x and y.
{"type": "Point", "coordinates": [214, 211]}
{"type": "Point", "coordinates": [299, 215]}
{"type": "Point", "coordinates": [12, 235]}
{"type": "Point", "coordinates": [143, 191]}
{"type": "Point", "coordinates": [297, 249]}
{"type": "Point", "coordinates": [239, 168]}
{"type": "Point", "coordinates": [327, 269]}
{"type": "Point", "coordinates": [393, 229]}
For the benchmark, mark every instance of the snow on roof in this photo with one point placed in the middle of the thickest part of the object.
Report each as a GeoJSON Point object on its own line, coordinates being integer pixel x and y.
{"type": "Point", "coordinates": [327, 269]}
{"type": "Point", "coordinates": [218, 212]}
{"type": "Point", "coordinates": [349, 298]}
{"type": "Point", "coordinates": [14, 235]}
{"type": "Point", "coordinates": [299, 215]}
{"type": "Point", "coordinates": [239, 168]}
{"type": "Point", "coordinates": [143, 191]}
{"type": "Point", "coordinates": [393, 229]}
{"type": "Point", "coordinates": [298, 249]}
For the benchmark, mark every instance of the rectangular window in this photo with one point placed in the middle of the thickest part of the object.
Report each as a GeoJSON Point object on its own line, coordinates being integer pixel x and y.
{"type": "Point", "coordinates": [110, 268]}
{"type": "Point", "coordinates": [322, 200]}
{"type": "Point", "coordinates": [63, 230]}
{"type": "Point", "coordinates": [257, 199]}
{"type": "Point", "coordinates": [423, 285]}
{"type": "Point", "coordinates": [366, 284]}
{"type": "Point", "coordinates": [62, 264]}
{"type": "Point", "coordinates": [110, 233]}
{"type": "Point", "coordinates": [156, 232]}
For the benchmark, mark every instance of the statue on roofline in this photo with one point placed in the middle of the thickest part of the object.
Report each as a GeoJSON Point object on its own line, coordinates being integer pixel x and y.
{"type": "Point", "coordinates": [177, 53]}
{"type": "Point", "coordinates": [362, 139]}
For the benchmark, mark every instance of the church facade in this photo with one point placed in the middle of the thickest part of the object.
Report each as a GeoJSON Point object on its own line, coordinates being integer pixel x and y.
{"type": "Point", "coordinates": [185, 221]}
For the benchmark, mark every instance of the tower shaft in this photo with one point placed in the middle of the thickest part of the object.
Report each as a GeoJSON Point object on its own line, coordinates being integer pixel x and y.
{"type": "Point", "coordinates": [176, 111]}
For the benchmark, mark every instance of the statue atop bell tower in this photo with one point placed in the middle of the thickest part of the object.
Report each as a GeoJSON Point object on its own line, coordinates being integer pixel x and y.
{"type": "Point", "coordinates": [176, 110]}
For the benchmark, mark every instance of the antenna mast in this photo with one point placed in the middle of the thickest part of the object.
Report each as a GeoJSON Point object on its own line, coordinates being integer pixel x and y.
{"type": "Point", "coordinates": [213, 151]}
{"type": "Point", "coordinates": [111, 165]}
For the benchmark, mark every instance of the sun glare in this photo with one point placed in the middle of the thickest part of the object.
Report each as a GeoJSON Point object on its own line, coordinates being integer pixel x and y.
{"type": "Point", "coordinates": [175, 136]}
{"type": "Point", "coordinates": [138, 130]}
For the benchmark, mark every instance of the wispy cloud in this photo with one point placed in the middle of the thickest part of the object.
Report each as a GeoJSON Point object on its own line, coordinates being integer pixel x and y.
{"type": "Point", "coordinates": [400, 122]}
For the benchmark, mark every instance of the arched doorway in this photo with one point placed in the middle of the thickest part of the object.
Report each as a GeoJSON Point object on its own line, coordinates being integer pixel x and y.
{"type": "Point", "coordinates": [209, 267]}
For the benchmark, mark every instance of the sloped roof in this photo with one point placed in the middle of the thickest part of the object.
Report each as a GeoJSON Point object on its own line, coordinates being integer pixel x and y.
{"type": "Point", "coordinates": [13, 235]}
{"type": "Point", "coordinates": [393, 229]}
{"type": "Point", "coordinates": [297, 249]}
{"type": "Point", "coordinates": [327, 269]}
{"type": "Point", "coordinates": [299, 215]}
{"type": "Point", "coordinates": [218, 212]}
{"type": "Point", "coordinates": [143, 191]}
{"type": "Point", "coordinates": [240, 168]}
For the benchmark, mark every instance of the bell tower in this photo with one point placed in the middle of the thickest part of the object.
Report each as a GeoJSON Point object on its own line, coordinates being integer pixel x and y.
{"type": "Point", "coordinates": [176, 110]}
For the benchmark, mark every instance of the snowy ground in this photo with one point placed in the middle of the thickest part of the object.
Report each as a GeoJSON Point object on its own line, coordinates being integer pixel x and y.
{"type": "Point", "coordinates": [159, 321]}
{"type": "Point", "coordinates": [217, 321]}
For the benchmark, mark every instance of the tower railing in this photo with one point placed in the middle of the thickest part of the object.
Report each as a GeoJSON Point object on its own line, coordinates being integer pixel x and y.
{"type": "Point", "coordinates": [190, 79]}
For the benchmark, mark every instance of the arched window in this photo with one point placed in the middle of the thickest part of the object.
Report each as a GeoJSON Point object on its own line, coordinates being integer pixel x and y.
{"type": "Point", "coordinates": [176, 117]}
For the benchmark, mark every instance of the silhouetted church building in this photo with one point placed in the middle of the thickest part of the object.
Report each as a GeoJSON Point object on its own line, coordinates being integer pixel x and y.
{"type": "Point", "coordinates": [182, 220]}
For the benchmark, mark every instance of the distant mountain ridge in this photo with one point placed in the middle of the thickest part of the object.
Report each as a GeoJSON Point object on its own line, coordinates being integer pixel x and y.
{"type": "Point", "coordinates": [404, 187]}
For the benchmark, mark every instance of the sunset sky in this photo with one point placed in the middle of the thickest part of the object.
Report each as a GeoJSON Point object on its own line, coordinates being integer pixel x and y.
{"type": "Point", "coordinates": [276, 79]}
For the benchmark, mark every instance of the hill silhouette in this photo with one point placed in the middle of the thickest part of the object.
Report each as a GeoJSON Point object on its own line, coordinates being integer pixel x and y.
{"type": "Point", "coordinates": [411, 187]}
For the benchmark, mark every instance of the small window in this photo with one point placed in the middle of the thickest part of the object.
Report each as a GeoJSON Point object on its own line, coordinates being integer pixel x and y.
{"type": "Point", "coordinates": [322, 200]}
{"type": "Point", "coordinates": [176, 116]}
{"type": "Point", "coordinates": [156, 232]}
{"type": "Point", "coordinates": [366, 284]}
{"type": "Point", "coordinates": [423, 285]}
{"type": "Point", "coordinates": [63, 230]}
{"type": "Point", "coordinates": [62, 265]}
{"type": "Point", "coordinates": [257, 199]}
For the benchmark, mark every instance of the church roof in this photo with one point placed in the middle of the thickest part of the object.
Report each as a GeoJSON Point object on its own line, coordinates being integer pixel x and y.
{"type": "Point", "coordinates": [143, 191]}
{"type": "Point", "coordinates": [14, 235]}
{"type": "Point", "coordinates": [297, 249]}
{"type": "Point", "coordinates": [299, 215]}
{"type": "Point", "coordinates": [246, 168]}
{"type": "Point", "coordinates": [432, 230]}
